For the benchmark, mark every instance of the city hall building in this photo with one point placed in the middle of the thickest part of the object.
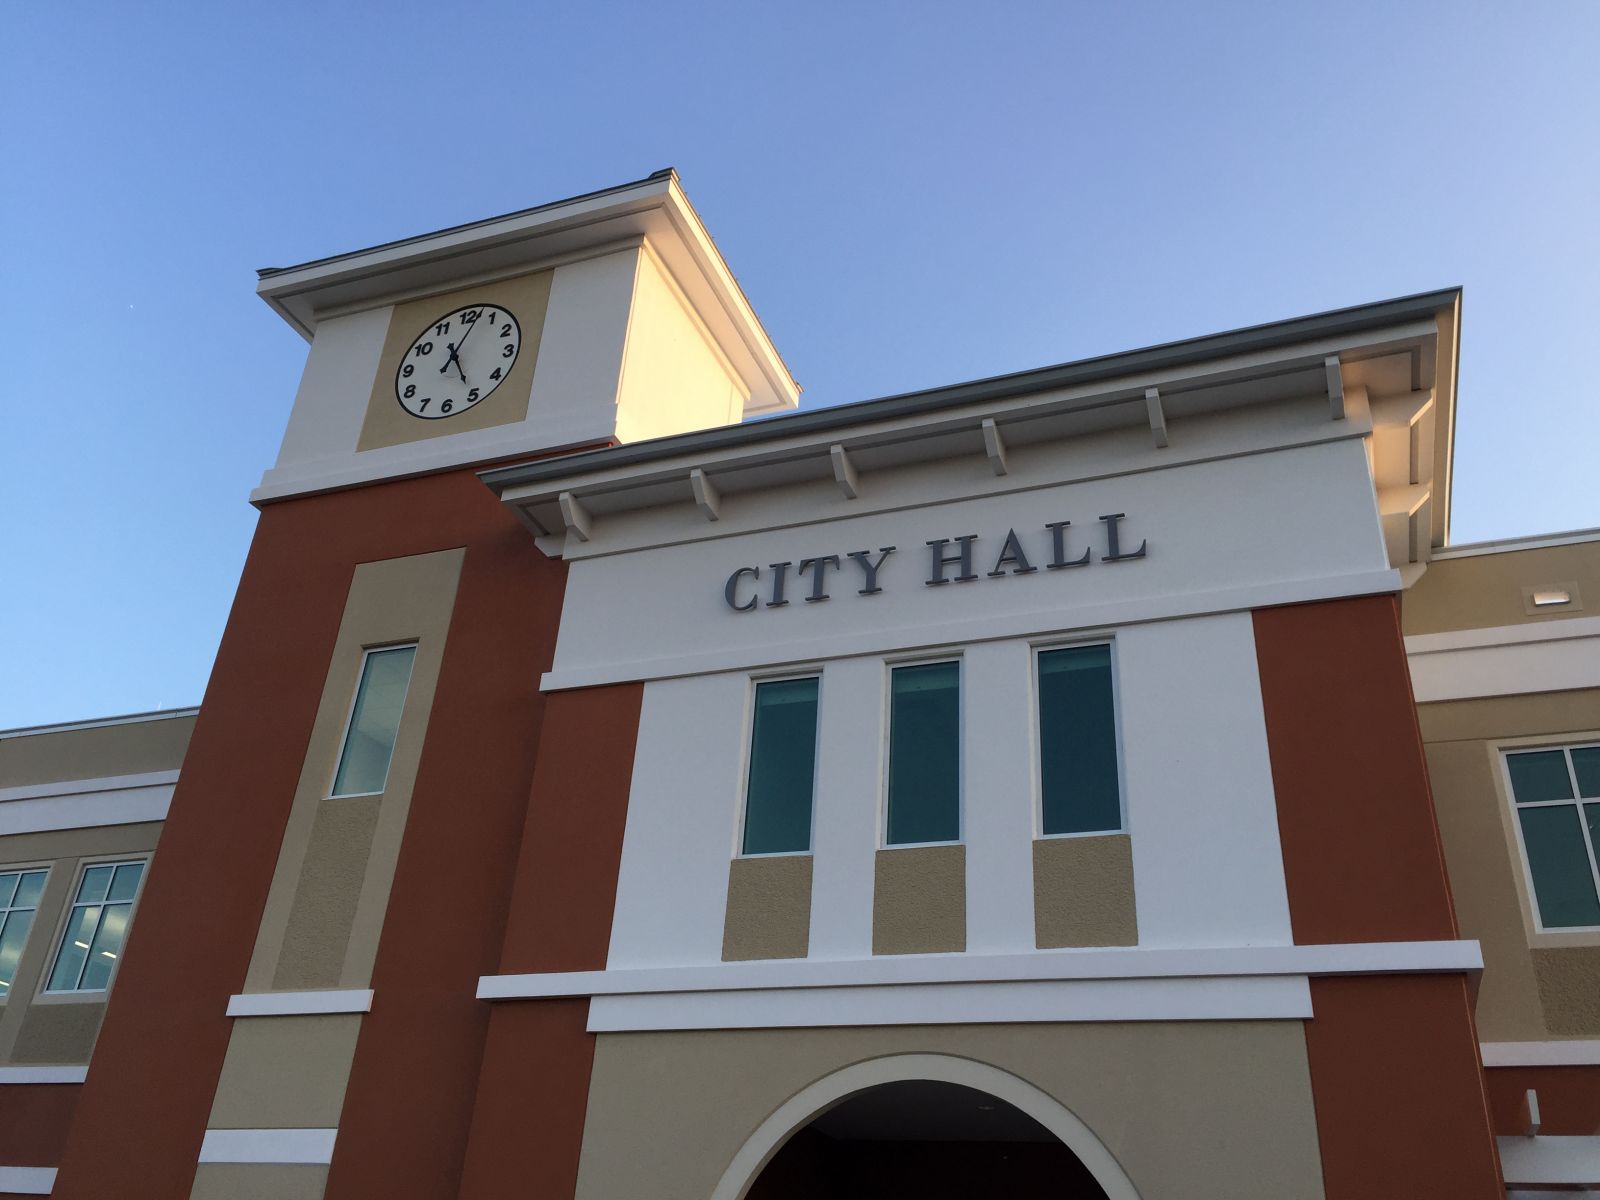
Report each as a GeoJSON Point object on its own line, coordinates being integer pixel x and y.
{"type": "Point", "coordinates": [1105, 781]}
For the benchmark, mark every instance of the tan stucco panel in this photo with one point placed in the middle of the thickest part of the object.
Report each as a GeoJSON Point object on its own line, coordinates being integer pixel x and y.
{"type": "Point", "coordinates": [62, 1032]}
{"type": "Point", "coordinates": [387, 423]}
{"type": "Point", "coordinates": [285, 1072]}
{"type": "Point", "coordinates": [919, 900]}
{"type": "Point", "coordinates": [259, 1181]}
{"type": "Point", "coordinates": [1569, 990]}
{"type": "Point", "coordinates": [1547, 713]}
{"type": "Point", "coordinates": [324, 909]}
{"type": "Point", "coordinates": [133, 748]}
{"type": "Point", "coordinates": [769, 908]}
{"type": "Point", "coordinates": [1486, 590]}
{"type": "Point", "coordinates": [1203, 1110]}
{"type": "Point", "coordinates": [1083, 892]}
{"type": "Point", "coordinates": [392, 600]}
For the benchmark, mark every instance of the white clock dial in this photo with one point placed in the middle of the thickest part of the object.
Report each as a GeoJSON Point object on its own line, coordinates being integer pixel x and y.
{"type": "Point", "coordinates": [457, 361]}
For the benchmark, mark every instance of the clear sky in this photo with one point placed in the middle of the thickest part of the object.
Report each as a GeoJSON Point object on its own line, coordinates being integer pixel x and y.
{"type": "Point", "coordinates": [912, 194]}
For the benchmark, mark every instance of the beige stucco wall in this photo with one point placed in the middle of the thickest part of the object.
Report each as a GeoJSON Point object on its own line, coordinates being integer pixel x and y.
{"type": "Point", "coordinates": [131, 748]}
{"type": "Point", "coordinates": [1203, 1110]}
{"type": "Point", "coordinates": [769, 908]}
{"type": "Point", "coordinates": [259, 1181]}
{"type": "Point", "coordinates": [919, 900]}
{"type": "Point", "coordinates": [285, 1072]}
{"type": "Point", "coordinates": [1534, 985]}
{"type": "Point", "coordinates": [1083, 892]}
{"type": "Point", "coordinates": [1486, 590]}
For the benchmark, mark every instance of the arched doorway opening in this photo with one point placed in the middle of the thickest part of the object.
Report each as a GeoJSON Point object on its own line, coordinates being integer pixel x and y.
{"type": "Point", "coordinates": [954, 1108]}
{"type": "Point", "coordinates": [929, 1139]}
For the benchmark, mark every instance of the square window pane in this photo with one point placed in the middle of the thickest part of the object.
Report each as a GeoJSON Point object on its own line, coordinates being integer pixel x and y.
{"type": "Point", "coordinates": [13, 933]}
{"type": "Point", "coordinates": [783, 763]}
{"type": "Point", "coordinates": [1563, 881]}
{"type": "Point", "coordinates": [95, 882]}
{"type": "Point", "coordinates": [1586, 766]}
{"type": "Point", "coordinates": [374, 721]}
{"type": "Point", "coordinates": [126, 881]}
{"type": "Point", "coordinates": [29, 889]}
{"type": "Point", "coordinates": [1541, 775]}
{"type": "Point", "coordinates": [1078, 741]}
{"type": "Point", "coordinates": [925, 754]}
{"type": "Point", "coordinates": [106, 947]}
{"type": "Point", "coordinates": [74, 951]}
{"type": "Point", "coordinates": [8, 887]}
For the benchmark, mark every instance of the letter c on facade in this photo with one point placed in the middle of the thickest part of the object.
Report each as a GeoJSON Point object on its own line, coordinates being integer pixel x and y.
{"type": "Point", "coordinates": [731, 588]}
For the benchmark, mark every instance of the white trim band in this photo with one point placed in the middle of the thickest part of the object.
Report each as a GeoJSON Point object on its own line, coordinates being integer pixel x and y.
{"type": "Point", "coordinates": [28, 1181]}
{"type": "Point", "coordinates": [294, 1004]}
{"type": "Point", "coordinates": [1542, 1054]}
{"type": "Point", "coordinates": [42, 1075]}
{"type": "Point", "coordinates": [1553, 629]}
{"type": "Point", "coordinates": [268, 1146]}
{"type": "Point", "coordinates": [1568, 1161]}
{"type": "Point", "coordinates": [1359, 958]}
{"type": "Point", "coordinates": [82, 803]}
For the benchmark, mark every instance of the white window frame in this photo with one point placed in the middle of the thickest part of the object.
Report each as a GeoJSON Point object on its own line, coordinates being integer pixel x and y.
{"type": "Point", "coordinates": [749, 757]}
{"type": "Point", "coordinates": [350, 715]}
{"type": "Point", "coordinates": [891, 665]}
{"type": "Point", "coordinates": [45, 992]}
{"type": "Point", "coordinates": [1037, 749]}
{"type": "Point", "coordinates": [7, 909]}
{"type": "Point", "coordinates": [1504, 753]}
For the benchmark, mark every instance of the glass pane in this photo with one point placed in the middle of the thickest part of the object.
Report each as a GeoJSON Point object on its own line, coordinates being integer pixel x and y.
{"type": "Point", "coordinates": [12, 935]}
{"type": "Point", "coordinates": [74, 948]}
{"type": "Point", "coordinates": [1562, 879]}
{"type": "Point", "coordinates": [107, 946]}
{"type": "Point", "coordinates": [93, 887]}
{"type": "Point", "coordinates": [1539, 776]}
{"type": "Point", "coordinates": [126, 881]}
{"type": "Point", "coordinates": [1586, 765]}
{"type": "Point", "coordinates": [1078, 741]}
{"type": "Point", "coordinates": [28, 890]}
{"type": "Point", "coordinates": [8, 887]}
{"type": "Point", "coordinates": [364, 763]}
{"type": "Point", "coordinates": [783, 763]}
{"type": "Point", "coordinates": [925, 754]}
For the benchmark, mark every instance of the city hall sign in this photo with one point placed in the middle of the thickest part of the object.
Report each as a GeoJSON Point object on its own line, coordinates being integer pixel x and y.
{"type": "Point", "coordinates": [950, 560]}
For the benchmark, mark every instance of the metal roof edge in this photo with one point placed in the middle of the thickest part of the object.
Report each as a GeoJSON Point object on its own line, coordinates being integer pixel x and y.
{"type": "Point", "coordinates": [159, 714]}
{"type": "Point", "coordinates": [1164, 355]}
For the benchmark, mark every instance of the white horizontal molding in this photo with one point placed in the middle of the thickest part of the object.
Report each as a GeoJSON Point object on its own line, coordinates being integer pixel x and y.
{"type": "Point", "coordinates": [1564, 1161]}
{"type": "Point", "coordinates": [292, 1004]}
{"type": "Point", "coordinates": [268, 1146]}
{"type": "Point", "coordinates": [1043, 622]}
{"type": "Point", "coordinates": [1359, 958]}
{"type": "Point", "coordinates": [84, 803]}
{"type": "Point", "coordinates": [1552, 629]}
{"type": "Point", "coordinates": [50, 1074]}
{"type": "Point", "coordinates": [1542, 1054]}
{"type": "Point", "coordinates": [28, 1181]}
{"type": "Point", "coordinates": [1243, 998]}
{"type": "Point", "coordinates": [1517, 660]}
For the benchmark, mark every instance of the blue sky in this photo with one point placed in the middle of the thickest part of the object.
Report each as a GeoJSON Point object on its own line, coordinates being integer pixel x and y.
{"type": "Point", "coordinates": [911, 195]}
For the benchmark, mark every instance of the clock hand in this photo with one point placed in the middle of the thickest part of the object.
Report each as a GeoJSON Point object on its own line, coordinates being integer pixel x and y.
{"type": "Point", "coordinates": [454, 358]}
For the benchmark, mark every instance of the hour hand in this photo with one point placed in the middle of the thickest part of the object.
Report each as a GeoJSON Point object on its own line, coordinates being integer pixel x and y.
{"type": "Point", "coordinates": [457, 361]}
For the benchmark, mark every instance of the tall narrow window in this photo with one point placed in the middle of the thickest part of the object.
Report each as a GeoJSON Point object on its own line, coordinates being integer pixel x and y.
{"type": "Point", "coordinates": [925, 754]}
{"type": "Point", "coordinates": [1078, 741]}
{"type": "Point", "coordinates": [783, 768]}
{"type": "Point", "coordinates": [19, 900]}
{"type": "Point", "coordinates": [96, 927]}
{"type": "Point", "coordinates": [1557, 797]}
{"type": "Point", "coordinates": [374, 720]}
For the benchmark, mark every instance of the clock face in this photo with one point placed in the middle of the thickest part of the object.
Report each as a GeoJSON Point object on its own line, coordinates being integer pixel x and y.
{"type": "Point", "coordinates": [457, 361]}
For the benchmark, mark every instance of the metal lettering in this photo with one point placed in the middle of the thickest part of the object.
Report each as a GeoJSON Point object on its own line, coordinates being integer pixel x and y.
{"type": "Point", "coordinates": [1112, 545]}
{"type": "Point", "coordinates": [780, 574]}
{"type": "Point", "coordinates": [1012, 553]}
{"type": "Point", "coordinates": [870, 569]}
{"type": "Point", "coordinates": [942, 560]}
{"type": "Point", "coordinates": [820, 576]}
{"type": "Point", "coordinates": [731, 587]}
{"type": "Point", "coordinates": [1058, 548]}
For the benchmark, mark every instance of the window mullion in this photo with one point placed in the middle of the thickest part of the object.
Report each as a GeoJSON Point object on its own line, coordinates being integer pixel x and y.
{"type": "Point", "coordinates": [1583, 823]}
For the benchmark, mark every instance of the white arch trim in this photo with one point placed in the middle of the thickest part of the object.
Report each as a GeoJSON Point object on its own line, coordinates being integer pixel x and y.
{"type": "Point", "coordinates": [825, 1093]}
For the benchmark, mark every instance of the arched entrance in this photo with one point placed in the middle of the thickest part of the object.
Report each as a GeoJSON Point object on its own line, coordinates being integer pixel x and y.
{"type": "Point", "coordinates": [932, 1126]}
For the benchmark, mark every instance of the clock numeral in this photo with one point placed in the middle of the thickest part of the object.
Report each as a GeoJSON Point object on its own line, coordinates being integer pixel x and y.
{"type": "Point", "coordinates": [442, 328]}
{"type": "Point", "coordinates": [411, 390]}
{"type": "Point", "coordinates": [471, 315]}
{"type": "Point", "coordinates": [447, 406]}
{"type": "Point", "coordinates": [423, 405]}
{"type": "Point", "coordinates": [495, 374]}
{"type": "Point", "coordinates": [505, 330]}
{"type": "Point", "coordinates": [407, 371]}
{"type": "Point", "coordinates": [493, 317]}
{"type": "Point", "coordinates": [424, 348]}
{"type": "Point", "coordinates": [511, 348]}
{"type": "Point", "coordinates": [472, 396]}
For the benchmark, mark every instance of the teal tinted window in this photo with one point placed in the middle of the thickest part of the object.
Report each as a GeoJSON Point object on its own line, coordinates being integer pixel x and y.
{"type": "Point", "coordinates": [1559, 833]}
{"type": "Point", "coordinates": [19, 899]}
{"type": "Point", "coordinates": [783, 768]}
{"type": "Point", "coordinates": [925, 754]}
{"type": "Point", "coordinates": [97, 927]}
{"type": "Point", "coordinates": [374, 721]}
{"type": "Point", "coordinates": [1078, 741]}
